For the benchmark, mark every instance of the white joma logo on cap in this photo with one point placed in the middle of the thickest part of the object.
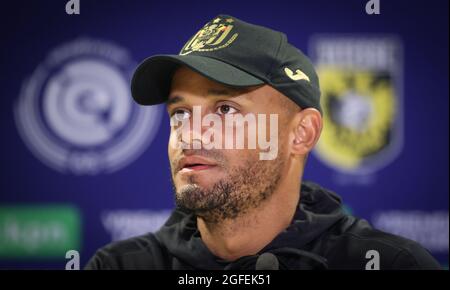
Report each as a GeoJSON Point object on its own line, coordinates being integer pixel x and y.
{"type": "Point", "coordinates": [298, 75]}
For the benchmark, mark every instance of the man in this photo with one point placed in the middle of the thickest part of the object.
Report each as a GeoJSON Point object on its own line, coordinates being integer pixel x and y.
{"type": "Point", "coordinates": [237, 208]}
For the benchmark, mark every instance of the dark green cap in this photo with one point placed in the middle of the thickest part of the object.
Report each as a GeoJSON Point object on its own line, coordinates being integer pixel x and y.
{"type": "Point", "coordinates": [235, 53]}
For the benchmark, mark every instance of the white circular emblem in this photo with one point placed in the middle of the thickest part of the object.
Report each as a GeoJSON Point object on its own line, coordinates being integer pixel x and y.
{"type": "Point", "coordinates": [75, 113]}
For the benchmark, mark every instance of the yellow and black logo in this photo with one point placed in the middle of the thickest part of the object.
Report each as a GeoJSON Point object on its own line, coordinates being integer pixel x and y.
{"type": "Point", "coordinates": [213, 36]}
{"type": "Point", "coordinates": [359, 109]}
{"type": "Point", "coordinates": [361, 85]}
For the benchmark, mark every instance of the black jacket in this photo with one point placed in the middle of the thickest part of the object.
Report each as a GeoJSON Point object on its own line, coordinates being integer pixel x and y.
{"type": "Point", "coordinates": [321, 236]}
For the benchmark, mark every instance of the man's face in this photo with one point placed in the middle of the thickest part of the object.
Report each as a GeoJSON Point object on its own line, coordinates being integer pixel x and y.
{"type": "Point", "coordinates": [221, 183]}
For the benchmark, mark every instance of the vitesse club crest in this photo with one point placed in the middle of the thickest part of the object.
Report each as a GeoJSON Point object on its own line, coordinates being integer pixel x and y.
{"type": "Point", "coordinates": [360, 80]}
{"type": "Point", "coordinates": [215, 35]}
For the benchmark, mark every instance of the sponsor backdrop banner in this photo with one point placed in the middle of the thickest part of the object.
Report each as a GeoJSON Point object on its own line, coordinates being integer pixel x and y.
{"type": "Point", "coordinates": [82, 165]}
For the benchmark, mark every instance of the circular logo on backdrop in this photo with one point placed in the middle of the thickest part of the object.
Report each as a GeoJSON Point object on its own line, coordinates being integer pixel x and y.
{"type": "Point", "coordinates": [75, 113]}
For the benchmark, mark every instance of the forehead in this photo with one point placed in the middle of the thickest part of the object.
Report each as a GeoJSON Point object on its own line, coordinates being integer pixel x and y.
{"type": "Point", "coordinates": [185, 78]}
{"type": "Point", "coordinates": [187, 82]}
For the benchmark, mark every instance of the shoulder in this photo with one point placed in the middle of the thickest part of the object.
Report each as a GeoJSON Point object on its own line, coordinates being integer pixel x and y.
{"type": "Point", "coordinates": [362, 246]}
{"type": "Point", "coordinates": [141, 252]}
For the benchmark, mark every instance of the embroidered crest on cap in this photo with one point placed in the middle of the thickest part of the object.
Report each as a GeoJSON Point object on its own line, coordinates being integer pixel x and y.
{"type": "Point", "coordinates": [214, 35]}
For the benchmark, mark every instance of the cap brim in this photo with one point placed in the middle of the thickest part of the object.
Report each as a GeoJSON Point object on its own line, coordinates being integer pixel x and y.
{"type": "Point", "coordinates": [151, 81]}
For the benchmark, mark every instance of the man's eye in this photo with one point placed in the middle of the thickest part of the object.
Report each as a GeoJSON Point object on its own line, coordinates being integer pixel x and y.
{"type": "Point", "coordinates": [180, 115]}
{"type": "Point", "coordinates": [225, 109]}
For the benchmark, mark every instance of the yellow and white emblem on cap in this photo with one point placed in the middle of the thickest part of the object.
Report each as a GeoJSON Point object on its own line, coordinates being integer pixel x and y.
{"type": "Point", "coordinates": [214, 35]}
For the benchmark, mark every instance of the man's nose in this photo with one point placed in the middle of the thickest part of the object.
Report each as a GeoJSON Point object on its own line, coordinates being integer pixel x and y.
{"type": "Point", "coordinates": [193, 134]}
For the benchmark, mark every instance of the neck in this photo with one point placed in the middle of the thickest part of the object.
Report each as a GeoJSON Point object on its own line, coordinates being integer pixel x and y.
{"type": "Point", "coordinates": [247, 234]}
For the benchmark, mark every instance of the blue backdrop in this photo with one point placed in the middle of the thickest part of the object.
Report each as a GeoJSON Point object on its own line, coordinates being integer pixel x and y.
{"type": "Point", "coordinates": [83, 203]}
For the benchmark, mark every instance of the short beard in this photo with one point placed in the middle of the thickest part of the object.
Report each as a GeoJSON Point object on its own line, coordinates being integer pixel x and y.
{"type": "Point", "coordinates": [244, 189]}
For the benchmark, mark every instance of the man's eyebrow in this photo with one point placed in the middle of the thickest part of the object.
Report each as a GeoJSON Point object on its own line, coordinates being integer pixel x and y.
{"type": "Point", "coordinates": [174, 100]}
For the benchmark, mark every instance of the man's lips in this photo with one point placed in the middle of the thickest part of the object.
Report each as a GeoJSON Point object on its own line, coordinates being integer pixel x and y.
{"type": "Point", "coordinates": [195, 163]}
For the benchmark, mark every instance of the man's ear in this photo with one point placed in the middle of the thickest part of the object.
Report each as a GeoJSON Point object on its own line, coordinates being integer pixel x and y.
{"type": "Point", "coordinates": [306, 131]}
